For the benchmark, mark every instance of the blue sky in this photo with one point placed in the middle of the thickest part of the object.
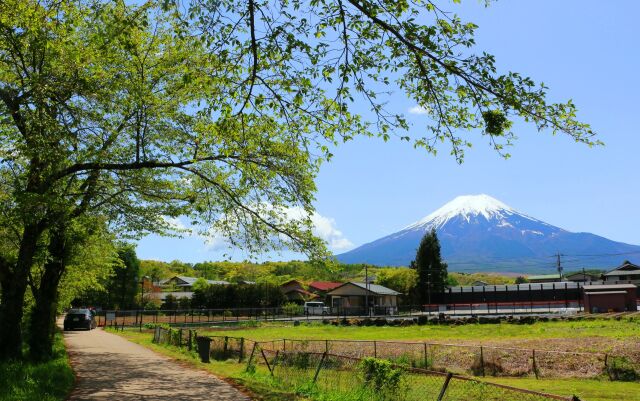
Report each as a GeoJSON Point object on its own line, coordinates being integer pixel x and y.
{"type": "Point", "coordinates": [582, 50]}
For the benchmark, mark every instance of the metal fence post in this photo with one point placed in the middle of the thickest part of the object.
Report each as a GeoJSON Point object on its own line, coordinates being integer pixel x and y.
{"type": "Point", "coordinates": [535, 366]}
{"type": "Point", "coordinates": [482, 360]}
{"type": "Point", "coordinates": [315, 377]}
{"type": "Point", "coordinates": [426, 357]}
{"type": "Point", "coordinates": [444, 386]}
{"type": "Point", "coordinates": [266, 361]}
{"type": "Point", "coordinates": [253, 350]}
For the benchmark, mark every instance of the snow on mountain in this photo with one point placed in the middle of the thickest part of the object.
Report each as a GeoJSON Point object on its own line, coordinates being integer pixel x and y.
{"type": "Point", "coordinates": [479, 232]}
{"type": "Point", "coordinates": [467, 206]}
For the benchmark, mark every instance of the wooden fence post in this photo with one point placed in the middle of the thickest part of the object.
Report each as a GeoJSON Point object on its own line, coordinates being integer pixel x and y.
{"type": "Point", "coordinates": [241, 349]}
{"type": "Point", "coordinates": [375, 349]}
{"type": "Point", "coordinates": [482, 360]}
{"type": "Point", "coordinates": [225, 347]}
{"type": "Point", "coordinates": [444, 386]}
{"type": "Point", "coordinates": [535, 365]}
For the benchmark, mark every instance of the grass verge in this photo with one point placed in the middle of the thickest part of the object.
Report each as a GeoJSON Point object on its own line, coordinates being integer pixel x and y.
{"type": "Point", "coordinates": [47, 381]}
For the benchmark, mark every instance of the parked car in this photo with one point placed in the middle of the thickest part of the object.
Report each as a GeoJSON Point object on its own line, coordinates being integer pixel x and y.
{"type": "Point", "coordinates": [316, 308]}
{"type": "Point", "coordinates": [79, 319]}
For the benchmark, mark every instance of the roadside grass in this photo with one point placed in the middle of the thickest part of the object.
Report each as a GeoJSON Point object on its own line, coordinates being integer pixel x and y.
{"type": "Point", "coordinates": [262, 385]}
{"type": "Point", "coordinates": [48, 381]}
{"type": "Point", "coordinates": [616, 329]}
{"type": "Point", "coordinates": [587, 390]}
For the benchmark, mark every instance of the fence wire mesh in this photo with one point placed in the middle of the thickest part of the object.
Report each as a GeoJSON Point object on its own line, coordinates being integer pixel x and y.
{"type": "Point", "coordinates": [461, 359]}
{"type": "Point", "coordinates": [307, 372]}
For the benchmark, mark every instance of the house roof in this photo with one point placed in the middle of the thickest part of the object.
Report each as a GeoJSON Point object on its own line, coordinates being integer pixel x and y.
{"type": "Point", "coordinates": [608, 287]}
{"type": "Point", "coordinates": [324, 285]}
{"type": "Point", "coordinates": [626, 267]}
{"type": "Point", "coordinates": [605, 292]}
{"type": "Point", "coordinates": [190, 280]}
{"type": "Point", "coordinates": [614, 273]}
{"type": "Point", "coordinates": [545, 277]}
{"type": "Point", "coordinates": [373, 288]}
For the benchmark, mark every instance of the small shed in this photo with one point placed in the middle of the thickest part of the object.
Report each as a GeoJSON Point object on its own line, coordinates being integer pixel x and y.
{"type": "Point", "coordinates": [610, 298]}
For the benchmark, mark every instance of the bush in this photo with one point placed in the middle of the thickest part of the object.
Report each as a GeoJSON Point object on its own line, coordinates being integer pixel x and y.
{"type": "Point", "coordinates": [423, 319]}
{"type": "Point", "coordinates": [381, 375]}
{"type": "Point", "coordinates": [621, 369]}
{"type": "Point", "coordinates": [491, 368]}
{"type": "Point", "coordinates": [292, 309]}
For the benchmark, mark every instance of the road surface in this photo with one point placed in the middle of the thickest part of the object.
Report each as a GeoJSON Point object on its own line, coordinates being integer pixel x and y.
{"type": "Point", "coordinates": [109, 367]}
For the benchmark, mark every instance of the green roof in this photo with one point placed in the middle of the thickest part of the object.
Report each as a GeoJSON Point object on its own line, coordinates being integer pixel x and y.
{"type": "Point", "coordinates": [544, 277]}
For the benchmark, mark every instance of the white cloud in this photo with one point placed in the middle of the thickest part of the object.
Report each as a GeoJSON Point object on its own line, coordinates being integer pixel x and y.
{"type": "Point", "coordinates": [323, 227]}
{"type": "Point", "coordinates": [417, 109]}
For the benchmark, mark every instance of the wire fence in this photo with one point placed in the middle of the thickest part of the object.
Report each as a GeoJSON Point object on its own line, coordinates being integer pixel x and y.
{"type": "Point", "coordinates": [481, 361]}
{"type": "Point", "coordinates": [310, 372]}
{"type": "Point", "coordinates": [464, 359]}
{"type": "Point", "coordinates": [333, 374]}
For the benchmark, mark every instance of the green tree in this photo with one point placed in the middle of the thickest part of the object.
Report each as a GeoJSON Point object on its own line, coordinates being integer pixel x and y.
{"type": "Point", "coordinates": [200, 284]}
{"type": "Point", "coordinates": [220, 111]}
{"type": "Point", "coordinates": [124, 286]}
{"type": "Point", "coordinates": [431, 270]}
{"type": "Point", "coordinates": [402, 280]}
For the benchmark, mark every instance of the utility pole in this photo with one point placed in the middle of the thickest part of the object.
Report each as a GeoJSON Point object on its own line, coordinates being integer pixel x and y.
{"type": "Point", "coordinates": [366, 286]}
{"type": "Point", "coordinates": [559, 266]}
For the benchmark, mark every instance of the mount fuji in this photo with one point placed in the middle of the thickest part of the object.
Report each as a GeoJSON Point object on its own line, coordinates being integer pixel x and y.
{"type": "Point", "coordinates": [478, 232]}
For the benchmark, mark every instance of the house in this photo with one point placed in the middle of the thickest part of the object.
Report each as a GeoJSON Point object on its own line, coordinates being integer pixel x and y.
{"type": "Point", "coordinates": [321, 288]}
{"type": "Point", "coordinates": [351, 298]}
{"type": "Point", "coordinates": [610, 298]}
{"type": "Point", "coordinates": [545, 278]}
{"type": "Point", "coordinates": [182, 286]}
{"type": "Point", "coordinates": [625, 273]}
{"type": "Point", "coordinates": [582, 277]}
{"type": "Point", "coordinates": [295, 291]}
{"type": "Point", "coordinates": [479, 283]}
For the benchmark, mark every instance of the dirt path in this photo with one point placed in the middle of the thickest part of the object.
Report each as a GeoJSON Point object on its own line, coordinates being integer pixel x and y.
{"type": "Point", "coordinates": [111, 368]}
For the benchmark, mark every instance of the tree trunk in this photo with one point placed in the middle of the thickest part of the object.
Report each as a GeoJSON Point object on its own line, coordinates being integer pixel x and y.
{"type": "Point", "coordinates": [11, 311]}
{"type": "Point", "coordinates": [14, 286]}
{"type": "Point", "coordinates": [43, 317]}
{"type": "Point", "coordinates": [42, 324]}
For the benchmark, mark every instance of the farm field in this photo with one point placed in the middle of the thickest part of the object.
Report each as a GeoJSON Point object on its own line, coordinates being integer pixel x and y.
{"type": "Point", "coordinates": [588, 390]}
{"type": "Point", "coordinates": [600, 335]}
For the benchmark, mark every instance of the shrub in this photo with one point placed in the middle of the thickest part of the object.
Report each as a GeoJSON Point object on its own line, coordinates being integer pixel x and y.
{"type": "Point", "coordinates": [381, 375]}
{"type": "Point", "coordinates": [292, 309]}
{"type": "Point", "coordinates": [491, 368]}
{"type": "Point", "coordinates": [621, 369]}
{"type": "Point", "coordinates": [380, 321]}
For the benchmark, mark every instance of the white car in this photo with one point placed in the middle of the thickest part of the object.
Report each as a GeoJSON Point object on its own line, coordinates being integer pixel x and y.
{"type": "Point", "coordinates": [315, 308]}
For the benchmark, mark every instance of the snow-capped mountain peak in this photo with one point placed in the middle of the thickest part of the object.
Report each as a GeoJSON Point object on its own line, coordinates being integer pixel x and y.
{"type": "Point", "coordinates": [466, 206]}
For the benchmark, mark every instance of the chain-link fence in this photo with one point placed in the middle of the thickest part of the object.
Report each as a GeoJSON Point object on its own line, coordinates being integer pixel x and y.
{"type": "Point", "coordinates": [462, 359]}
{"type": "Point", "coordinates": [370, 379]}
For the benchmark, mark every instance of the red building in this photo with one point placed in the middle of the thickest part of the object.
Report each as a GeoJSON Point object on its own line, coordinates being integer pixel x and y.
{"type": "Point", "coordinates": [610, 298]}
